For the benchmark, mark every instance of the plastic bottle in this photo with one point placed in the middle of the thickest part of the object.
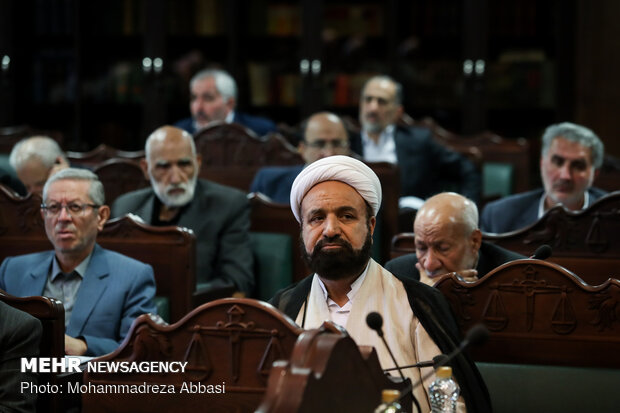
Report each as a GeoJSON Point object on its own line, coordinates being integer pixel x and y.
{"type": "Point", "coordinates": [390, 402]}
{"type": "Point", "coordinates": [444, 392]}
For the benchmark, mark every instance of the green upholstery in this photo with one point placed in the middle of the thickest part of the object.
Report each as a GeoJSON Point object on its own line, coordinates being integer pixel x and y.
{"type": "Point", "coordinates": [273, 262]}
{"type": "Point", "coordinates": [162, 305]}
{"type": "Point", "coordinates": [534, 388]}
{"type": "Point", "coordinates": [497, 179]}
{"type": "Point", "coordinates": [4, 164]}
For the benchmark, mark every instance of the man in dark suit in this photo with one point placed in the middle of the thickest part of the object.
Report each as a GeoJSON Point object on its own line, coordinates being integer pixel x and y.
{"type": "Point", "coordinates": [218, 215]}
{"type": "Point", "coordinates": [102, 291]}
{"type": "Point", "coordinates": [20, 334]}
{"type": "Point", "coordinates": [571, 157]}
{"type": "Point", "coordinates": [213, 97]}
{"type": "Point", "coordinates": [426, 166]}
{"type": "Point", "coordinates": [324, 135]}
{"type": "Point", "coordinates": [447, 239]}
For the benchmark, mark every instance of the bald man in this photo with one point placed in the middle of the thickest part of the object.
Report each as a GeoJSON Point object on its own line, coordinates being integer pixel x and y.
{"type": "Point", "coordinates": [324, 135]}
{"type": "Point", "coordinates": [218, 215]}
{"type": "Point", "coordinates": [35, 159]}
{"type": "Point", "coordinates": [336, 200]}
{"type": "Point", "coordinates": [447, 239]}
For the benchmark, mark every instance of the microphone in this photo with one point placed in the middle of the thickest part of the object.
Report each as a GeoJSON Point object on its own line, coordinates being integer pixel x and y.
{"type": "Point", "coordinates": [542, 253]}
{"type": "Point", "coordinates": [476, 335]}
{"type": "Point", "coordinates": [437, 360]}
{"type": "Point", "coordinates": [375, 321]}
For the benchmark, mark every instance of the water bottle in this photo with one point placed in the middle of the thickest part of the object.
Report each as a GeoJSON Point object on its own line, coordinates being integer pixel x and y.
{"type": "Point", "coordinates": [444, 392]}
{"type": "Point", "coordinates": [390, 402]}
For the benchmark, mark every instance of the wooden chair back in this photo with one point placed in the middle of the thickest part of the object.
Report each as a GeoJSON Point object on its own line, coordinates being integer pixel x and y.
{"type": "Point", "coordinates": [267, 216]}
{"type": "Point", "coordinates": [586, 242]}
{"type": "Point", "coordinates": [539, 313]}
{"type": "Point", "coordinates": [402, 243]}
{"type": "Point", "coordinates": [232, 154]}
{"type": "Point", "coordinates": [101, 154]}
{"type": "Point", "coordinates": [228, 342]}
{"type": "Point", "coordinates": [10, 135]}
{"type": "Point", "coordinates": [491, 147]}
{"type": "Point", "coordinates": [119, 176]}
{"type": "Point", "coordinates": [328, 372]}
{"type": "Point", "coordinates": [171, 251]}
{"type": "Point", "coordinates": [51, 313]}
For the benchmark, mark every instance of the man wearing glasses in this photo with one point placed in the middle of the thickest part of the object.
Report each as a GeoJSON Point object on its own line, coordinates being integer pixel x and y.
{"type": "Point", "coordinates": [102, 291]}
{"type": "Point", "coordinates": [324, 135]}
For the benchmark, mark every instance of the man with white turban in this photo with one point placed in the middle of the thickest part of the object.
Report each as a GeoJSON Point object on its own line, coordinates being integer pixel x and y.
{"type": "Point", "coordinates": [336, 200]}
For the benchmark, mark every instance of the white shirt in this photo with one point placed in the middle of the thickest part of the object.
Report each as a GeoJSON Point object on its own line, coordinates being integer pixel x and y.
{"type": "Point", "coordinates": [541, 203]}
{"type": "Point", "coordinates": [382, 151]}
{"type": "Point", "coordinates": [340, 315]}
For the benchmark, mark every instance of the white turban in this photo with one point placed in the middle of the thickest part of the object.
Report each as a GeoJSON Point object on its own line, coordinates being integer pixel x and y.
{"type": "Point", "coordinates": [337, 168]}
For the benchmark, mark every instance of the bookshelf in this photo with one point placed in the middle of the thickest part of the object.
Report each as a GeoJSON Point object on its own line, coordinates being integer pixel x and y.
{"type": "Point", "coordinates": [113, 73]}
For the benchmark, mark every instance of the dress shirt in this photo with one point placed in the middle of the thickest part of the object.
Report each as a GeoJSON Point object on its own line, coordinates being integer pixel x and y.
{"type": "Point", "coordinates": [541, 203]}
{"type": "Point", "coordinates": [382, 151]}
{"type": "Point", "coordinates": [340, 315]}
{"type": "Point", "coordinates": [64, 287]}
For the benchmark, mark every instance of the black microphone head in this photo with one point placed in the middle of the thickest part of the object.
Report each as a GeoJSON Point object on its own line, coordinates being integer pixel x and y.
{"type": "Point", "coordinates": [542, 253]}
{"type": "Point", "coordinates": [477, 335]}
{"type": "Point", "coordinates": [440, 360]}
{"type": "Point", "coordinates": [375, 321]}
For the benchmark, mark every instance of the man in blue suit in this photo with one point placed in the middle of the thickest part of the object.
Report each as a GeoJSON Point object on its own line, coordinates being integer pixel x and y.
{"type": "Point", "coordinates": [426, 167]}
{"type": "Point", "coordinates": [324, 135]}
{"type": "Point", "coordinates": [570, 159]}
{"type": "Point", "coordinates": [213, 97]}
{"type": "Point", "coordinates": [102, 291]}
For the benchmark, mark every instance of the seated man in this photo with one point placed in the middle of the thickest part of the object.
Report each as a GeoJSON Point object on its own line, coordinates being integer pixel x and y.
{"type": "Point", "coordinates": [570, 158]}
{"type": "Point", "coordinates": [447, 239]}
{"type": "Point", "coordinates": [324, 135]}
{"type": "Point", "coordinates": [335, 200]}
{"type": "Point", "coordinates": [102, 291]}
{"type": "Point", "coordinates": [35, 159]}
{"type": "Point", "coordinates": [218, 215]}
{"type": "Point", "coordinates": [213, 97]}
{"type": "Point", "coordinates": [20, 335]}
{"type": "Point", "coordinates": [426, 166]}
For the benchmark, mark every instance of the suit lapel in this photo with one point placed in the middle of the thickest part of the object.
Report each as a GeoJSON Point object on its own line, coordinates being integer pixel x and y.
{"type": "Point", "coordinates": [91, 290]}
{"type": "Point", "coordinates": [39, 277]}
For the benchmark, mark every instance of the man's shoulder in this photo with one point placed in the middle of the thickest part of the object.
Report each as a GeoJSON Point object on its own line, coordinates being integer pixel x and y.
{"type": "Point", "coordinates": [119, 263]}
{"type": "Point", "coordinates": [206, 188]}
{"type": "Point", "coordinates": [597, 193]}
{"type": "Point", "coordinates": [258, 124]}
{"type": "Point", "coordinates": [186, 124]}
{"type": "Point", "coordinates": [404, 266]}
{"type": "Point", "coordinates": [29, 259]}
{"type": "Point", "coordinates": [278, 172]}
{"type": "Point", "coordinates": [524, 198]}
{"type": "Point", "coordinates": [134, 196]}
{"type": "Point", "coordinates": [497, 255]}
{"type": "Point", "coordinates": [413, 134]}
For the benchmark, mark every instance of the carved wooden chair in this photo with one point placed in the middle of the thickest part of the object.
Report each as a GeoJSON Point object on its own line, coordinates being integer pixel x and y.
{"type": "Point", "coordinates": [586, 242]}
{"type": "Point", "coordinates": [230, 342]}
{"type": "Point", "coordinates": [101, 154]}
{"type": "Point", "coordinates": [539, 313]}
{"type": "Point", "coordinates": [10, 135]}
{"type": "Point", "coordinates": [51, 313]}
{"type": "Point", "coordinates": [119, 176]}
{"type": "Point", "coordinates": [231, 154]}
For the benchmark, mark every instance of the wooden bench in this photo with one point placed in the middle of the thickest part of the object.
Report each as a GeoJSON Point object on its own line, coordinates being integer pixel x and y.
{"type": "Point", "coordinates": [120, 176]}
{"type": "Point", "coordinates": [231, 342]}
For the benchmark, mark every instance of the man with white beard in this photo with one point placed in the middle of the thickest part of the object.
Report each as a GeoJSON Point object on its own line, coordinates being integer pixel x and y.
{"type": "Point", "coordinates": [218, 215]}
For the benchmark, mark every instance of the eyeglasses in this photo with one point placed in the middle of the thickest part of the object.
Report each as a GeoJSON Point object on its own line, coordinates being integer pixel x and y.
{"type": "Point", "coordinates": [323, 144]}
{"type": "Point", "coordinates": [72, 209]}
